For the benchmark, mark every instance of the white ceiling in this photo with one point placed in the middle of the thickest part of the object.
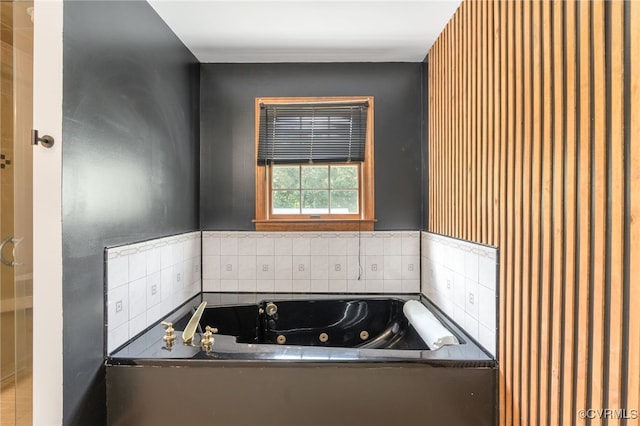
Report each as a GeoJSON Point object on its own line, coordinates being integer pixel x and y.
{"type": "Point", "coordinates": [307, 30]}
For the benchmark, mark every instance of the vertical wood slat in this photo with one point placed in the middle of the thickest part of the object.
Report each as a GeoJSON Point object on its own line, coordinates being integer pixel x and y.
{"type": "Point", "coordinates": [567, 411]}
{"type": "Point", "coordinates": [504, 351]}
{"type": "Point", "coordinates": [536, 192]}
{"type": "Point", "coordinates": [482, 169]}
{"type": "Point", "coordinates": [531, 149]}
{"type": "Point", "coordinates": [545, 283]}
{"type": "Point", "coordinates": [584, 243]}
{"type": "Point", "coordinates": [616, 207]}
{"type": "Point", "coordinates": [599, 207]}
{"type": "Point", "coordinates": [633, 26]}
{"type": "Point", "coordinates": [516, 208]}
{"type": "Point", "coordinates": [525, 278]}
{"type": "Point", "coordinates": [557, 224]}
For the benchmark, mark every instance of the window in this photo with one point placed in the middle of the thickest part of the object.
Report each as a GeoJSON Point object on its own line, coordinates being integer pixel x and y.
{"type": "Point", "coordinates": [314, 164]}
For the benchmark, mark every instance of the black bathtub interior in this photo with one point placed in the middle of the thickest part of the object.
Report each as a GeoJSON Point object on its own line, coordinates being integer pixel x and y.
{"type": "Point", "coordinates": [346, 323]}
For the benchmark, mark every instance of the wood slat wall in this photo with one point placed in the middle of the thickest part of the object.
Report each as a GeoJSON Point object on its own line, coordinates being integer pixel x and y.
{"type": "Point", "coordinates": [534, 147]}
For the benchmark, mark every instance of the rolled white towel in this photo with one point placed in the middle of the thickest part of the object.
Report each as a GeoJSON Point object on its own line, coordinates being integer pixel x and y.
{"type": "Point", "coordinates": [434, 334]}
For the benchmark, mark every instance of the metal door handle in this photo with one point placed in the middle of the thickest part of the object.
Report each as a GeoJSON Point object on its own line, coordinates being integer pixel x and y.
{"type": "Point", "coordinates": [2, 244]}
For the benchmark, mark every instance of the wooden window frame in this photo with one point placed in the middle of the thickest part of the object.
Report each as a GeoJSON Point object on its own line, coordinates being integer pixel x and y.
{"type": "Point", "coordinates": [363, 221]}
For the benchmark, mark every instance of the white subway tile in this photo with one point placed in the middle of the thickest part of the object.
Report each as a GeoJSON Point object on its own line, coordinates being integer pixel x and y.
{"type": "Point", "coordinates": [410, 286]}
{"type": "Point", "coordinates": [283, 246]}
{"type": "Point", "coordinates": [319, 267]}
{"type": "Point", "coordinates": [338, 267]}
{"type": "Point", "coordinates": [356, 286]}
{"type": "Point", "coordinates": [117, 272]}
{"type": "Point", "coordinates": [471, 298]}
{"type": "Point", "coordinates": [118, 306]}
{"type": "Point", "coordinates": [211, 267]}
{"type": "Point", "coordinates": [283, 267]}
{"type": "Point", "coordinates": [392, 286]}
{"type": "Point", "coordinates": [247, 246]}
{"type": "Point", "coordinates": [487, 272]}
{"type": "Point", "coordinates": [166, 256]}
{"type": "Point", "coordinates": [166, 283]}
{"type": "Point", "coordinates": [229, 246]}
{"type": "Point", "coordinates": [337, 246]}
{"type": "Point", "coordinates": [487, 307]}
{"type": "Point", "coordinates": [392, 267]}
{"type": "Point", "coordinates": [265, 246]}
{"type": "Point", "coordinates": [338, 285]}
{"type": "Point", "coordinates": [460, 291]}
{"type": "Point", "coordinates": [487, 338]}
{"type": "Point", "coordinates": [392, 245]}
{"type": "Point", "coordinates": [411, 244]}
{"type": "Point", "coordinates": [247, 268]}
{"type": "Point", "coordinates": [266, 285]}
{"type": "Point", "coordinates": [301, 285]}
{"type": "Point", "coordinates": [374, 246]}
{"type": "Point", "coordinates": [210, 246]}
{"type": "Point", "coordinates": [154, 289]}
{"type": "Point", "coordinates": [116, 336]}
{"type": "Point", "coordinates": [137, 324]}
{"type": "Point", "coordinates": [265, 267]}
{"type": "Point", "coordinates": [459, 315]}
{"type": "Point", "coordinates": [301, 267]}
{"type": "Point", "coordinates": [411, 267]}
{"type": "Point", "coordinates": [375, 286]}
{"type": "Point", "coordinates": [178, 277]}
{"type": "Point", "coordinates": [319, 246]}
{"type": "Point", "coordinates": [355, 267]}
{"type": "Point", "coordinates": [178, 252]}
{"type": "Point", "coordinates": [228, 267]}
{"type": "Point", "coordinates": [153, 260]}
{"type": "Point", "coordinates": [471, 326]}
{"type": "Point", "coordinates": [355, 245]}
{"type": "Point", "coordinates": [137, 297]}
{"type": "Point", "coordinates": [319, 285]}
{"type": "Point", "coordinates": [229, 285]}
{"type": "Point", "coordinates": [211, 285]}
{"type": "Point", "coordinates": [247, 285]}
{"type": "Point", "coordinates": [283, 286]}
{"type": "Point", "coordinates": [471, 266]}
{"type": "Point", "coordinates": [374, 267]}
{"type": "Point", "coordinates": [301, 246]}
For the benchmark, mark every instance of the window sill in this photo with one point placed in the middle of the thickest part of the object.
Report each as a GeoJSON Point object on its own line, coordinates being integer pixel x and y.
{"type": "Point", "coordinates": [297, 225]}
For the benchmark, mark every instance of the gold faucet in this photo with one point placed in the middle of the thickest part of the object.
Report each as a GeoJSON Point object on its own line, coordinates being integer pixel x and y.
{"type": "Point", "coordinates": [207, 338]}
{"type": "Point", "coordinates": [192, 325]}
{"type": "Point", "coordinates": [169, 334]}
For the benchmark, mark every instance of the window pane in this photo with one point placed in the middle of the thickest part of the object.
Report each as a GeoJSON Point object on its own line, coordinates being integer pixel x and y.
{"type": "Point", "coordinates": [345, 177]}
{"type": "Point", "coordinates": [344, 202]}
{"type": "Point", "coordinates": [315, 177]}
{"type": "Point", "coordinates": [286, 177]}
{"type": "Point", "coordinates": [315, 202]}
{"type": "Point", "coordinates": [286, 202]}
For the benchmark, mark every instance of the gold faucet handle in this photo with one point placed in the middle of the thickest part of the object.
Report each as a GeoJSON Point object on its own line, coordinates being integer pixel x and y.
{"type": "Point", "coordinates": [169, 332]}
{"type": "Point", "coordinates": [207, 336]}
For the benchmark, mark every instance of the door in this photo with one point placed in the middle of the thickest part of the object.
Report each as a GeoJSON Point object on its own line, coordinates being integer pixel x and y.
{"type": "Point", "coordinates": [16, 213]}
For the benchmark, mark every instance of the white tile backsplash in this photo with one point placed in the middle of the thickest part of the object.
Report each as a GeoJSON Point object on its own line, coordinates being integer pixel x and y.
{"type": "Point", "coordinates": [145, 281]}
{"type": "Point", "coordinates": [460, 277]}
{"type": "Point", "coordinates": [337, 262]}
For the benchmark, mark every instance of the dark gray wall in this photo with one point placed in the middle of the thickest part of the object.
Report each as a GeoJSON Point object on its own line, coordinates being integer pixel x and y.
{"type": "Point", "coordinates": [130, 166]}
{"type": "Point", "coordinates": [228, 92]}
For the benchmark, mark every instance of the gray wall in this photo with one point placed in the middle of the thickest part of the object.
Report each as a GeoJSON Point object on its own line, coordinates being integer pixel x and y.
{"type": "Point", "coordinates": [130, 166]}
{"type": "Point", "coordinates": [227, 187]}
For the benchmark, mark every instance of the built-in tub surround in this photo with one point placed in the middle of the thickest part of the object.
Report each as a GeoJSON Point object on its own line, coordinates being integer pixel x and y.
{"type": "Point", "coordinates": [311, 262]}
{"type": "Point", "coordinates": [460, 277]}
{"type": "Point", "coordinates": [145, 281]}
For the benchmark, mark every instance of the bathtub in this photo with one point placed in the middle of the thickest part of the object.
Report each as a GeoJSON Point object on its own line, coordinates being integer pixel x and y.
{"type": "Point", "coordinates": [316, 360]}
